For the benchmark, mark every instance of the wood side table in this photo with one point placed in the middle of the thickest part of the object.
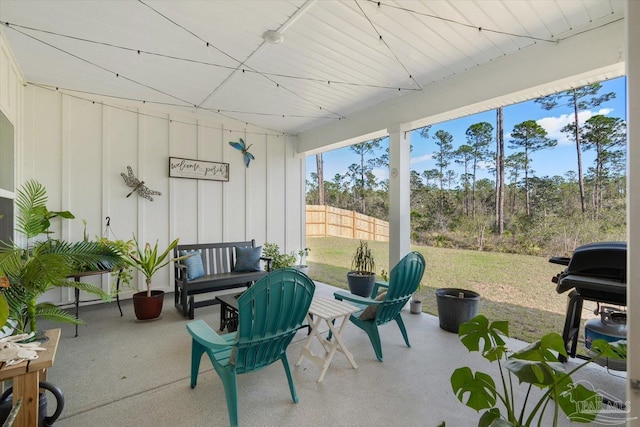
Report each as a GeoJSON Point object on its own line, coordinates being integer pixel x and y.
{"type": "Point", "coordinates": [329, 310]}
{"type": "Point", "coordinates": [26, 377]}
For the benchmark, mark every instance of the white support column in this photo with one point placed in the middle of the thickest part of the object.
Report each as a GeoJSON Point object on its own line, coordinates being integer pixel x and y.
{"type": "Point", "coordinates": [633, 208]}
{"type": "Point", "coordinates": [399, 192]}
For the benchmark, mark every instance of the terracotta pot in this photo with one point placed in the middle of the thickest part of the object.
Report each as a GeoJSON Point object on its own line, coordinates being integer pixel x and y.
{"type": "Point", "coordinates": [147, 308]}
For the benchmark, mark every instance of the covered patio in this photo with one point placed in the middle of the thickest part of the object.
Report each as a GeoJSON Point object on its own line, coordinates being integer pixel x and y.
{"type": "Point", "coordinates": [120, 371]}
{"type": "Point", "coordinates": [89, 88]}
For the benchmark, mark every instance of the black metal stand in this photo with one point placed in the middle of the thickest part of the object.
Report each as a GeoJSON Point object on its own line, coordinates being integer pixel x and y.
{"type": "Point", "coordinates": [572, 320]}
{"type": "Point", "coordinates": [77, 278]}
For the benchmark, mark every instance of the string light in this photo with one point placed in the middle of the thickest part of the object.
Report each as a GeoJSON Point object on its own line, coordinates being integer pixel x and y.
{"type": "Point", "coordinates": [183, 59]}
{"type": "Point", "coordinates": [378, 6]}
{"type": "Point", "coordinates": [464, 24]}
{"type": "Point", "coordinates": [160, 117]}
{"type": "Point", "coordinates": [383, 42]}
{"type": "Point", "coordinates": [240, 63]}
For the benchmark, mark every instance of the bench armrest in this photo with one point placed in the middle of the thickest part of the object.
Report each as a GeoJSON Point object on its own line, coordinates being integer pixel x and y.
{"type": "Point", "coordinates": [268, 260]}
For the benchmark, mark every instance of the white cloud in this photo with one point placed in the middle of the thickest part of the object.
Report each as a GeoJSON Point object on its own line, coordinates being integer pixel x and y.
{"type": "Point", "coordinates": [381, 173]}
{"type": "Point", "coordinates": [485, 165]}
{"type": "Point", "coordinates": [421, 159]}
{"type": "Point", "coordinates": [553, 125]}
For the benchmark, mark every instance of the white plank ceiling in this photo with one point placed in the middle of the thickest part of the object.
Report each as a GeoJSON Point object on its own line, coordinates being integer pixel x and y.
{"type": "Point", "coordinates": [336, 57]}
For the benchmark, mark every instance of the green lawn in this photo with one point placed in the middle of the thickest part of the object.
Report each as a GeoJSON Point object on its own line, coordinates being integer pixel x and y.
{"type": "Point", "coordinates": [512, 287]}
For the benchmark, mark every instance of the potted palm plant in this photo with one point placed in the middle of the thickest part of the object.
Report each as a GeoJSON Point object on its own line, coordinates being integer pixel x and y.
{"type": "Point", "coordinates": [30, 270]}
{"type": "Point", "coordinates": [148, 304]}
{"type": "Point", "coordinates": [362, 276]}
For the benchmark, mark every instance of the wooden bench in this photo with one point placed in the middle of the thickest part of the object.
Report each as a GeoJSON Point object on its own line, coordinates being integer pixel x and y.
{"type": "Point", "coordinates": [218, 261]}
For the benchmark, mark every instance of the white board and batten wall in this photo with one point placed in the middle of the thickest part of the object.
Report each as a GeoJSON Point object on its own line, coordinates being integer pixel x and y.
{"type": "Point", "coordinates": [77, 146]}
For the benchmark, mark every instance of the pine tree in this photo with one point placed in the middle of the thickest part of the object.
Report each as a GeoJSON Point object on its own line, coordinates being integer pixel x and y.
{"type": "Point", "coordinates": [579, 99]}
{"type": "Point", "coordinates": [530, 137]}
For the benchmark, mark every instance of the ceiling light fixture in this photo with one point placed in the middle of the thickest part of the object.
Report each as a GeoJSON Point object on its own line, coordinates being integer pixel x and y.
{"type": "Point", "coordinates": [273, 37]}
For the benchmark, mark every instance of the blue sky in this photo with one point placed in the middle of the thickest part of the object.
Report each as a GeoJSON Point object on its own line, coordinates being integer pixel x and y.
{"type": "Point", "coordinates": [556, 161]}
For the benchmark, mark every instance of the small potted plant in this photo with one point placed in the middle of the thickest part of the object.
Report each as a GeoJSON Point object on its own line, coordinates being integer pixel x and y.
{"type": "Point", "coordinates": [302, 253]}
{"type": "Point", "coordinates": [362, 276]}
{"type": "Point", "coordinates": [278, 260]}
{"type": "Point", "coordinates": [148, 304]}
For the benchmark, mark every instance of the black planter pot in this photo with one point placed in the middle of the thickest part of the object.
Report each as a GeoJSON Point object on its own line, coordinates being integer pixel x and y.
{"type": "Point", "coordinates": [361, 284]}
{"type": "Point", "coordinates": [456, 306]}
{"type": "Point", "coordinates": [147, 308]}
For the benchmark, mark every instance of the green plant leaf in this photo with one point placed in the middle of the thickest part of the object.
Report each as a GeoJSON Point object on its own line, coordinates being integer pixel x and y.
{"type": "Point", "coordinates": [476, 391]}
{"type": "Point", "coordinates": [538, 373]}
{"type": "Point", "coordinates": [31, 200]}
{"type": "Point", "coordinates": [51, 312]}
{"type": "Point", "coordinates": [545, 349]}
{"type": "Point", "coordinates": [495, 353]}
{"type": "Point", "coordinates": [4, 309]}
{"type": "Point", "coordinates": [612, 350]}
{"type": "Point", "coordinates": [499, 422]}
{"type": "Point", "coordinates": [479, 329]}
{"type": "Point", "coordinates": [278, 260]}
{"type": "Point", "coordinates": [579, 403]}
{"type": "Point", "coordinates": [89, 288]}
{"type": "Point", "coordinates": [489, 417]}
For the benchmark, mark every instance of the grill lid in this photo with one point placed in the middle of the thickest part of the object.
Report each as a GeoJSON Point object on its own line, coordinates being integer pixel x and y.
{"type": "Point", "coordinates": [606, 260]}
{"type": "Point", "coordinates": [596, 270]}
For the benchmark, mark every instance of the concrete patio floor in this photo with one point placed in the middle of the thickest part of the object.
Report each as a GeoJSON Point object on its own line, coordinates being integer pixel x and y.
{"type": "Point", "coordinates": [122, 372]}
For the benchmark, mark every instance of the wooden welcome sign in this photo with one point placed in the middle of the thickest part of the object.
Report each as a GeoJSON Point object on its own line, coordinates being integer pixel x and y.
{"type": "Point", "coordinates": [198, 169]}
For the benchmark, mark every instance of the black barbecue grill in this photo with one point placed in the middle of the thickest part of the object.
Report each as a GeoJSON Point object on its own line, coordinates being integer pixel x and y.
{"type": "Point", "coordinates": [595, 272]}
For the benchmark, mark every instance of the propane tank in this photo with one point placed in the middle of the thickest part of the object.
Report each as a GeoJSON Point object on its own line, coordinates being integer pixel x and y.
{"type": "Point", "coordinates": [611, 326]}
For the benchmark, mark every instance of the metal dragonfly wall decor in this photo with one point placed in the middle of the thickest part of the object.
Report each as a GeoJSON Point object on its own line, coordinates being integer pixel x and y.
{"type": "Point", "coordinates": [143, 191]}
{"type": "Point", "coordinates": [240, 146]}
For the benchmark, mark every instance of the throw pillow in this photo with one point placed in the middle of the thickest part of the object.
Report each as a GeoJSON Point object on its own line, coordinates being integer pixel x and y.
{"type": "Point", "coordinates": [247, 258]}
{"type": "Point", "coordinates": [370, 312]}
{"type": "Point", "coordinates": [194, 265]}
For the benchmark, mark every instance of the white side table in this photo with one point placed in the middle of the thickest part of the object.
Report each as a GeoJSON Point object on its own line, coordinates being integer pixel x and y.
{"type": "Point", "coordinates": [328, 310]}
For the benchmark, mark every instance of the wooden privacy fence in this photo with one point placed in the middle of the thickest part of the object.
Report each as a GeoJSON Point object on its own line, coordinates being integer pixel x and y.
{"type": "Point", "coordinates": [323, 221]}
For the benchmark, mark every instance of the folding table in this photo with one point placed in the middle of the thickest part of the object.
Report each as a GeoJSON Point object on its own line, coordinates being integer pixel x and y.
{"type": "Point", "coordinates": [329, 310]}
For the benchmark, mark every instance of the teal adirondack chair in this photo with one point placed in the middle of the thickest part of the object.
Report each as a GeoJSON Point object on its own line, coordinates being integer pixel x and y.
{"type": "Point", "coordinates": [404, 280]}
{"type": "Point", "coordinates": [269, 314]}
